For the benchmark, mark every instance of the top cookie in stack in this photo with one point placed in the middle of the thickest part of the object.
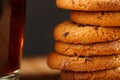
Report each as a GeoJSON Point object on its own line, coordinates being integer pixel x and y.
{"type": "Point", "coordinates": [88, 44]}
{"type": "Point", "coordinates": [89, 5]}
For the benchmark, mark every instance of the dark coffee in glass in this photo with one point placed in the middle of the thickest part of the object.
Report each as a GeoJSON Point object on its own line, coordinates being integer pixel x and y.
{"type": "Point", "coordinates": [12, 20]}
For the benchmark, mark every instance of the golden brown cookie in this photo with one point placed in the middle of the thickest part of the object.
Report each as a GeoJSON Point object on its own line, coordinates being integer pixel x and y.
{"type": "Point", "coordinates": [112, 74]}
{"type": "Point", "coordinates": [70, 32]}
{"type": "Point", "coordinates": [106, 19]}
{"type": "Point", "coordinates": [106, 48]}
{"type": "Point", "coordinates": [89, 5]}
{"type": "Point", "coordinates": [83, 64]}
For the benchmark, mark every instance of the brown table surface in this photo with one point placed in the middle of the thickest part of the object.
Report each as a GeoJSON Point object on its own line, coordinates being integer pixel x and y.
{"type": "Point", "coordinates": [35, 68]}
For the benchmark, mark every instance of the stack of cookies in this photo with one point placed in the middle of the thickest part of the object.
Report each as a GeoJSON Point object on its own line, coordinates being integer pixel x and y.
{"type": "Point", "coordinates": [88, 46]}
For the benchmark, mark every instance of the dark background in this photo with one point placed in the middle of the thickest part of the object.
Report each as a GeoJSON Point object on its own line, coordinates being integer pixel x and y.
{"type": "Point", "coordinates": [41, 18]}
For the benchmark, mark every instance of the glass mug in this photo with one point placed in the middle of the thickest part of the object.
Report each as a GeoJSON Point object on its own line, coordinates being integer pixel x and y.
{"type": "Point", "coordinates": [12, 19]}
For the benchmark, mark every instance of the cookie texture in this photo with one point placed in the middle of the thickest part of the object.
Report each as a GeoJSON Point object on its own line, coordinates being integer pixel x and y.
{"type": "Point", "coordinates": [112, 74]}
{"type": "Point", "coordinates": [89, 5]}
{"type": "Point", "coordinates": [106, 48]}
{"type": "Point", "coordinates": [83, 64]}
{"type": "Point", "coordinates": [70, 32]}
{"type": "Point", "coordinates": [105, 19]}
